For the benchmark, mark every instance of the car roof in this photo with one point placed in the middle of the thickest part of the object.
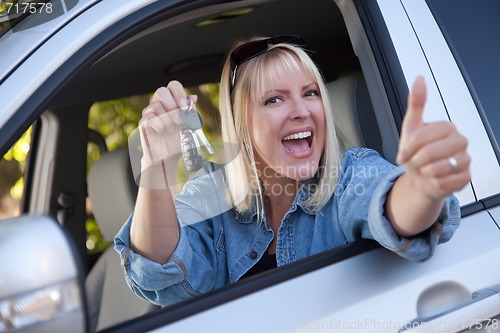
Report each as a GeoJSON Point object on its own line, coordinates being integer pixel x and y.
{"type": "Point", "coordinates": [25, 33]}
{"type": "Point", "coordinates": [191, 47]}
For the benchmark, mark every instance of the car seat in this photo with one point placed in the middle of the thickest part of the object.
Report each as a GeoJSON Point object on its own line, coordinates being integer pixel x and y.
{"type": "Point", "coordinates": [353, 114]}
{"type": "Point", "coordinates": [112, 192]}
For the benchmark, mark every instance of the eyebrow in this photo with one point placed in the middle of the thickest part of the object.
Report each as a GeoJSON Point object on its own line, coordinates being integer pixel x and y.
{"type": "Point", "coordinates": [307, 86]}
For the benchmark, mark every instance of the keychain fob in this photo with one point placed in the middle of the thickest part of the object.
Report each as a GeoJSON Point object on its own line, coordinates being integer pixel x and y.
{"type": "Point", "coordinates": [190, 150]}
{"type": "Point", "coordinates": [190, 132]}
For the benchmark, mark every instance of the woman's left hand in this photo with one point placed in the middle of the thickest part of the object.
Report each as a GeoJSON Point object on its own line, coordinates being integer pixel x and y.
{"type": "Point", "coordinates": [434, 154]}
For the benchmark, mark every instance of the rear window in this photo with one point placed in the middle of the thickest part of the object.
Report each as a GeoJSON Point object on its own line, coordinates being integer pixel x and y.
{"type": "Point", "coordinates": [471, 28]}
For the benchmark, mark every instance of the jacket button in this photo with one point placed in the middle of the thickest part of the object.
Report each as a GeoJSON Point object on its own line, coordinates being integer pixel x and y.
{"type": "Point", "coordinates": [253, 255]}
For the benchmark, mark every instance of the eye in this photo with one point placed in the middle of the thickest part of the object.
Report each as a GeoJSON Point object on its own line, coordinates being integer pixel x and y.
{"type": "Point", "coordinates": [273, 101]}
{"type": "Point", "coordinates": [311, 93]}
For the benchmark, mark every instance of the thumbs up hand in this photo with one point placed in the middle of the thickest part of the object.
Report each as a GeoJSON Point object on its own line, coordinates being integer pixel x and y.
{"type": "Point", "coordinates": [434, 154]}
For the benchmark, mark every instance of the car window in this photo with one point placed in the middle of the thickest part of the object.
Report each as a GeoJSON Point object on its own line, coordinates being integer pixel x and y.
{"type": "Point", "coordinates": [471, 30]}
{"type": "Point", "coordinates": [12, 12]}
{"type": "Point", "coordinates": [12, 167]}
{"type": "Point", "coordinates": [138, 64]}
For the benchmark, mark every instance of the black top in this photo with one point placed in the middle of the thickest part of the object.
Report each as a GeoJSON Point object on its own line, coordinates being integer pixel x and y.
{"type": "Point", "coordinates": [267, 262]}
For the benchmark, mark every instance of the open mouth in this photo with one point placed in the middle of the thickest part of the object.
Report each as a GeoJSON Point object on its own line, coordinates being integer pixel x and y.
{"type": "Point", "coordinates": [298, 142]}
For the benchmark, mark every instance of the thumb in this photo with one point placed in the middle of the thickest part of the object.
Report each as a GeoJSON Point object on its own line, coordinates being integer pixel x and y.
{"type": "Point", "coordinates": [414, 116]}
{"type": "Point", "coordinates": [416, 101]}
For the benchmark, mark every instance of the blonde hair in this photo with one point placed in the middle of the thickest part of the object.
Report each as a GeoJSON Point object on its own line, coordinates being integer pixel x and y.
{"type": "Point", "coordinates": [252, 77]}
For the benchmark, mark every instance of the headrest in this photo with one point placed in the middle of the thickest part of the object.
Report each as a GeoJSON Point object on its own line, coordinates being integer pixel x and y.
{"type": "Point", "coordinates": [353, 113]}
{"type": "Point", "coordinates": [112, 191]}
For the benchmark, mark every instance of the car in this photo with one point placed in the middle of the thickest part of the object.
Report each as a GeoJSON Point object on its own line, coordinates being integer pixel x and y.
{"type": "Point", "coordinates": [63, 60]}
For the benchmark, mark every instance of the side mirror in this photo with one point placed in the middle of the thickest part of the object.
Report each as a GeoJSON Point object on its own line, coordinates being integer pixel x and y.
{"type": "Point", "coordinates": [41, 288]}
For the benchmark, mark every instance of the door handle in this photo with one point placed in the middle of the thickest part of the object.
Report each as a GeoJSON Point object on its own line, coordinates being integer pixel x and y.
{"type": "Point", "coordinates": [480, 312]}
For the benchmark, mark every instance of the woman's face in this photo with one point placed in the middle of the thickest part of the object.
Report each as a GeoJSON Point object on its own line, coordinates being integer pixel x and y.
{"type": "Point", "coordinates": [287, 126]}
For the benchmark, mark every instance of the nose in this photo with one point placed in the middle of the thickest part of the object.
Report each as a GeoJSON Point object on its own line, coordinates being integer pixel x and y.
{"type": "Point", "coordinates": [300, 110]}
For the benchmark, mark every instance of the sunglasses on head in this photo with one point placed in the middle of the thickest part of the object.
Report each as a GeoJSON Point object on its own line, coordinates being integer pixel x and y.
{"type": "Point", "coordinates": [255, 48]}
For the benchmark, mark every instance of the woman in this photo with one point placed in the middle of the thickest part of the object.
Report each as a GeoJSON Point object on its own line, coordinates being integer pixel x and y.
{"type": "Point", "coordinates": [290, 193]}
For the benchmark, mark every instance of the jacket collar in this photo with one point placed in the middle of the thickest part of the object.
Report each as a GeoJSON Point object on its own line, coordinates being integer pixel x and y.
{"type": "Point", "coordinates": [302, 195]}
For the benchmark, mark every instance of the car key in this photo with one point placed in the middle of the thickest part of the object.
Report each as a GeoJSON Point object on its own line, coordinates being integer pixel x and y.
{"type": "Point", "coordinates": [190, 150]}
{"type": "Point", "coordinates": [192, 124]}
{"type": "Point", "coordinates": [192, 120]}
{"type": "Point", "coordinates": [204, 141]}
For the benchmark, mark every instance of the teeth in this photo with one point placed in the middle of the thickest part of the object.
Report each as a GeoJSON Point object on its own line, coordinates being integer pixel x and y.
{"type": "Point", "coordinates": [300, 135]}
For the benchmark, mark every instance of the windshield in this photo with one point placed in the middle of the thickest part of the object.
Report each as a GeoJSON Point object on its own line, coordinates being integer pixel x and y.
{"type": "Point", "coordinates": [14, 11]}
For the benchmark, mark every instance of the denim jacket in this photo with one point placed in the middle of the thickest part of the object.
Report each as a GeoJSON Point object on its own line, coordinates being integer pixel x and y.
{"type": "Point", "coordinates": [226, 244]}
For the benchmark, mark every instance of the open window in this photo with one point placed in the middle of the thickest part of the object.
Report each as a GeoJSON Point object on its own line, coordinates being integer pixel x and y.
{"type": "Point", "coordinates": [192, 50]}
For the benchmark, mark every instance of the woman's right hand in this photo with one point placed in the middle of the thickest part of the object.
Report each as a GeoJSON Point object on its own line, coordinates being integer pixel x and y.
{"type": "Point", "coordinates": [160, 125]}
{"type": "Point", "coordinates": [154, 232]}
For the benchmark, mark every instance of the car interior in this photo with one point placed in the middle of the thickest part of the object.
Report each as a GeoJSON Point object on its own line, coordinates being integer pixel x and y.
{"type": "Point", "coordinates": [188, 45]}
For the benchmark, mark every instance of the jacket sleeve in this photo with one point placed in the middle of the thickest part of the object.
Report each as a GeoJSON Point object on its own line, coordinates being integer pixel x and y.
{"type": "Point", "coordinates": [196, 265]}
{"type": "Point", "coordinates": [365, 181]}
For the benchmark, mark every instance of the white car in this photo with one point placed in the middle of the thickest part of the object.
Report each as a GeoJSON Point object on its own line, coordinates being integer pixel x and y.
{"type": "Point", "coordinates": [59, 57]}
